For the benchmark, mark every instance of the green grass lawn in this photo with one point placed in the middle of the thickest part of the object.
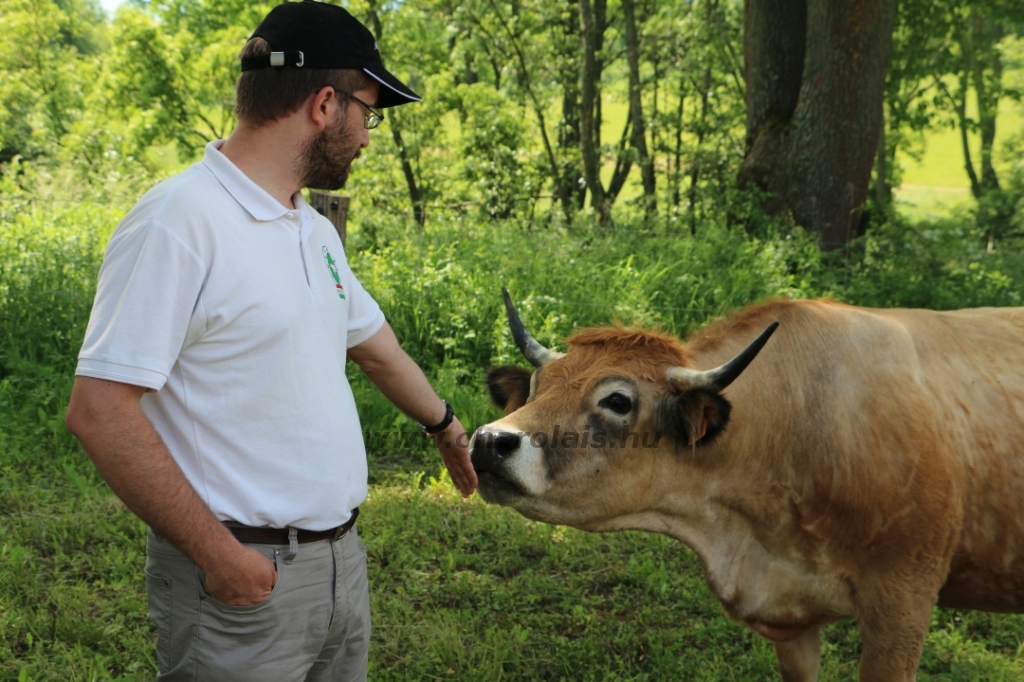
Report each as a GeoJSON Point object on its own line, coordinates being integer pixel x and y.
{"type": "Point", "coordinates": [460, 591]}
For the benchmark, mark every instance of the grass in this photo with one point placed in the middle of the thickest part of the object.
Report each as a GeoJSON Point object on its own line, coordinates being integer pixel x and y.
{"type": "Point", "coordinates": [941, 162]}
{"type": "Point", "coordinates": [930, 202]}
{"type": "Point", "coordinates": [460, 591]}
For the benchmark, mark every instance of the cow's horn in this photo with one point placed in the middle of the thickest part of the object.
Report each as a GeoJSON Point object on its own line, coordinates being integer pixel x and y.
{"type": "Point", "coordinates": [717, 379]}
{"type": "Point", "coordinates": [534, 352]}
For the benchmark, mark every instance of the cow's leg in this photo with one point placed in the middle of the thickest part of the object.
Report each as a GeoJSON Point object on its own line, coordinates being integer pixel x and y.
{"type": "Point", "coordinates": [800, 658]}
{"type": "Point", "coordinates": [892, 632]}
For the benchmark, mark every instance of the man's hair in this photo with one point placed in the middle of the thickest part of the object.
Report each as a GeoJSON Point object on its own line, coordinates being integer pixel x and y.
{"type": "Point", "coordinates": [263, 96]}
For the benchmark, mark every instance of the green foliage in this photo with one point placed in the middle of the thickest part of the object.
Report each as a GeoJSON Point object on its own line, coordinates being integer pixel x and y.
{"type": "Point", "coordinates": [500, 130]}
{"type": "Point", "coordinates": [173, 87]}
{"type": "Point", "coordinates": [49, 260]}
{"type": "Point", "coordinates": [942, 265]}
{"type": "Point", "coordinates": [500, 169]}
{"type": "Point", "coordinates": [47, 65]}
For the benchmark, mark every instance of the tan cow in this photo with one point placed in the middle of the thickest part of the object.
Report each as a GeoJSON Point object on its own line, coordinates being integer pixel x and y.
{"type": "Point", "coordinates": [868, 465]}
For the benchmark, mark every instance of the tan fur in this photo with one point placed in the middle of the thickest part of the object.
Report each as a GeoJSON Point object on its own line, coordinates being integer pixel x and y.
{"type": "Point", "coordinates": [872, 468]}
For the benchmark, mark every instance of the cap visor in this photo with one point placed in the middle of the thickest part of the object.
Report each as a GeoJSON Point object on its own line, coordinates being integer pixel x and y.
{"type": "Point", "coordinates": [392, 91]}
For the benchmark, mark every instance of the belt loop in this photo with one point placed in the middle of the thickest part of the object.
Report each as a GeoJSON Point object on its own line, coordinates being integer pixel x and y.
{"type": "Point", "coordinates": [293, 544]}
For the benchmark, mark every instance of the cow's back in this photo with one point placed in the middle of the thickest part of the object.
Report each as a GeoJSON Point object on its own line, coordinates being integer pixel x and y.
{"type": "Point", "coordinates": [890, 429]}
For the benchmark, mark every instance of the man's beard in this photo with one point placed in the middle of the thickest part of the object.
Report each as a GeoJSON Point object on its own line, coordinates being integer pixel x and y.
{"type": "Point", "coordinates": [327, 157]}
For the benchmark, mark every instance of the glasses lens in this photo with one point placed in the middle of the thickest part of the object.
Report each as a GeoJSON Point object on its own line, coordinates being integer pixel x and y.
{"type": "Point", "coordinates": [371, 121]}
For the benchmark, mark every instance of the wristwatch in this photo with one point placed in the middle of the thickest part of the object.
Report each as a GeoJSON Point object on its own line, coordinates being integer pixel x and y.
{"type": "Point", "coordinates": [449, 414]}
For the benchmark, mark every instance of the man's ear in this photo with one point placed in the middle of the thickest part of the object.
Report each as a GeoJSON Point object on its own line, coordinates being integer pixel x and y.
{"type": "Point", "coordinates": [509, 387]}
{"type": "Point", "coordinates": [694, 417]}
{"type": "Point", "coordinates": [319, 107]}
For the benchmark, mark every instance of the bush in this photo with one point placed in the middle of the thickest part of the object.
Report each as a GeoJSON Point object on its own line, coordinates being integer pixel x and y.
{"type": "Point", "coordinates": [941, 265]}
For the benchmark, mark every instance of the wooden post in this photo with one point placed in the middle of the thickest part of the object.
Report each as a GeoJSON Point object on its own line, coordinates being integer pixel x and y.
{"type": "Point", "coordinates": [332, 206]}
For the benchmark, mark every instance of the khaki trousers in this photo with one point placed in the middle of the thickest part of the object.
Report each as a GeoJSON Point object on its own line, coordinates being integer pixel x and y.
{"type": "Point", "coordinates": [314, 626]}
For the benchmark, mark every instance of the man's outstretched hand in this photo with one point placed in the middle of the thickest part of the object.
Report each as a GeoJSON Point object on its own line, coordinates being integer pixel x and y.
{"type": "Point", "coordinates": [453, 444]}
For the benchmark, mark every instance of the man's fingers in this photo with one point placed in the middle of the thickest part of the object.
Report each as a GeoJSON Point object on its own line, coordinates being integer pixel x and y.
{"type": "Point", "coordinates": [460, 469]}
{"type": "Point", "coordinates": [463, 474]}
{"type": "Point", "coordinates": [452, 445]}
{"type": "Point", "coordinates": [246, 582]}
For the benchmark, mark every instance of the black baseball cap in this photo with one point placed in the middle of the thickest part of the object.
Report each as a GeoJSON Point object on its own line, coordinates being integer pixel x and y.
{"type": "Point", "coordinates": [315, 35]}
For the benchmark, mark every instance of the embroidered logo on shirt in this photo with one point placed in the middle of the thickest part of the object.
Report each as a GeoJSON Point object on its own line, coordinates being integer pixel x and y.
{"type": "Point", "coordinates": [332, 265]}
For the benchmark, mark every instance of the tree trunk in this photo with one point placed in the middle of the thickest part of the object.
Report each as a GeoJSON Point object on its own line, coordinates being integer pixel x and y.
{"type": "Point", "coordinates": [775, 34]}
{"type": "Point", "coordinates": [959, 104]}
{"type": "Point", "coordinates": [986, 35]}
{"type": "Point", "coordinates": [881, 168]}
{"type": "Point", "coordinates": [568, 188]}
{"type": "Point", "coordinates": [636, 111]}
{"type": "Point", "coordinates": [677, 151]}
{"type": "Point", "coordinates": [589, 96]}
{"type": "Point", "coordinates": [419, 211]}
{"type": "Point", "coordinates": [702, 129]}
{"type": "Point", "coordinates": [815, 84]}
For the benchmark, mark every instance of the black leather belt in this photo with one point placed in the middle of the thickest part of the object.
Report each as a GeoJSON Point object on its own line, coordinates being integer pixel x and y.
{"type": "Point", "coordinates": [279, 536]}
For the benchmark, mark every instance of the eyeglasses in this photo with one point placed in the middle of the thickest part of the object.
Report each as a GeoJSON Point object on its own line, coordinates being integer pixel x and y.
{"type": "Point", "coordinates": [372, 119]}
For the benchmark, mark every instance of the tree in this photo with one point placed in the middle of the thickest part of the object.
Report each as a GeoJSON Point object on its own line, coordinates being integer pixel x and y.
{"type": "Point", "coordinates": [695, 94]}
{"type": "Point", "coordinates": [815, 76]}
{"type": "Point", "coordinates": [946, 56]}
{"type": "Point", "coordinates": [919, 42]}
{"type": "Point", "coordinates": [636, 110]}
{"type": "Point", "coordinates": [175, 85]}
{"type": "Point", "coordinates": [47, 67]}
{"type": "Point", "coordinates": [974, 63]}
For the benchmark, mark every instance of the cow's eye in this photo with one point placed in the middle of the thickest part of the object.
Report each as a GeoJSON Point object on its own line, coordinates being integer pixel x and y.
{"type": "Point", "coordinates": [617, 403]}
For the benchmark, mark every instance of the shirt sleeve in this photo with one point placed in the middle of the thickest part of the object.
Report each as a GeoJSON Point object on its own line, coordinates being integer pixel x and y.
{"type": "Point", "coordinates": [365, 317]}
{"type": "Point", "coordinates": [149, 286]}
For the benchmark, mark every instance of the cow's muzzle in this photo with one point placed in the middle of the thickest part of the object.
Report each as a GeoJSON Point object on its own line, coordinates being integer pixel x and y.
{"type": "Point", "coordinates": [489, 449]}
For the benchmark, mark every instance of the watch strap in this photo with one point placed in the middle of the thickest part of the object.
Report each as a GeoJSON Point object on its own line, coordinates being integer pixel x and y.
{"type": "Point", "coordinates": [449, 415]}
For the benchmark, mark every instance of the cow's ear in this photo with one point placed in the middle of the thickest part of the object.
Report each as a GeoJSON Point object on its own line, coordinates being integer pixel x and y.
{"type": "Point", "coordinates": [509, 387]}
{"type": "Point", "coordinates": [695, 417]}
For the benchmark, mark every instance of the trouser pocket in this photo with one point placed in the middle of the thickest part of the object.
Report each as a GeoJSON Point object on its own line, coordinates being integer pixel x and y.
{"type": "Point", "coordinates": [274, 555]}
{"type": "Point", "coordinates": [158, 594]}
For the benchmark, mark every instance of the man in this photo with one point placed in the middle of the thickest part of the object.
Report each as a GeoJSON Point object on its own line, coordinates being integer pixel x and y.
{"type": "Point", "coordinates": [211, 390]}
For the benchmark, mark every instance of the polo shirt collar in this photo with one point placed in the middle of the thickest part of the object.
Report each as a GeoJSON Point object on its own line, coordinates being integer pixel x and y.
{"type": "Point", "coordinates": [253, 198]}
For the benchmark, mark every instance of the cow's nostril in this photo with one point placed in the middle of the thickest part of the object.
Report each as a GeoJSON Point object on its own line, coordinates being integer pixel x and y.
{"type": "Point", "coordinates": [488, 449]}
{"type": "Point", "coordinates": [505, 443]}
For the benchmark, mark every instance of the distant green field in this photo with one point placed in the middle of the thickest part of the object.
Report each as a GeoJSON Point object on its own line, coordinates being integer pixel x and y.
{"type": "Point", "coordinates": [938, 182]}
{"type": "Point", "coordinates": [942, 162]}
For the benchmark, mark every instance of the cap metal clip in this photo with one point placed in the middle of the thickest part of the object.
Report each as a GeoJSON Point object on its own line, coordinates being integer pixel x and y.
{"type": "Point", "coordinates": [282, 58]}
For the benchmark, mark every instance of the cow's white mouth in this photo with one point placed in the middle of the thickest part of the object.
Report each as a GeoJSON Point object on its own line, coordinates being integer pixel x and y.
{"type": "Point", "coordinates": [496, 489]}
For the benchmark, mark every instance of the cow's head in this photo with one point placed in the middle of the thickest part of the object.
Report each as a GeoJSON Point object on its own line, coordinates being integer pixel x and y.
{"type": "Point", "coordinates": [583, 433]}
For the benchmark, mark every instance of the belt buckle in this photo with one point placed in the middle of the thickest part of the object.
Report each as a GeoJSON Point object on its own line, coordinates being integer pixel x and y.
{"type": "Point", "coordinates": [339, 533]}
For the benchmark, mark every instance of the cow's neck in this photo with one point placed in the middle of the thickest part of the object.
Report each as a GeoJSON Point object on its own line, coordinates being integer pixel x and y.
{"type": "Point", "coordinates": [746, 543]}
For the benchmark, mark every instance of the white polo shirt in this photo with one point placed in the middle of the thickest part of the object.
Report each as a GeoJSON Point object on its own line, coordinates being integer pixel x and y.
{"type": "Point", "coordinates": [237, 313]}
